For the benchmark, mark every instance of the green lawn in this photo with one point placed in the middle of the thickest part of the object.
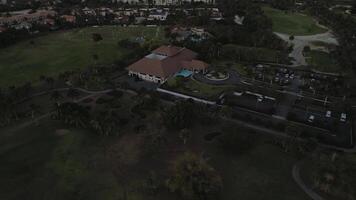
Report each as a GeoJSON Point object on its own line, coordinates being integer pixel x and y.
{"type": "Point", "coordinates": [322, 61]}
{"type": "Point", "coordinates": [264, 172]}
{"type": "Point", "coordinates": [315, 167]}
{"type": "Point", "coordinates": [62, 51]}
{"type": "Point", "coordinates": [53, 161]}
{"type": "Point", "coordinates": [225, 64]}
{"type": "Point", "coordinates": [42, 162]}
{"type": "Point", "coordinates": [292, 23]}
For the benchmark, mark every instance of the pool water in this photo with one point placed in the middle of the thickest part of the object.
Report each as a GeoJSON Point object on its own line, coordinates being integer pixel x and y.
{"type": "Point", "coordinates": [184, 73]}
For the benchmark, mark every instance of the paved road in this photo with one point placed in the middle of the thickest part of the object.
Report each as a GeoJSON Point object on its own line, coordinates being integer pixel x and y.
{"type": "Point", "coordinates": [300, 42]}
{"type": "Point", "coordinates": [305, 188]}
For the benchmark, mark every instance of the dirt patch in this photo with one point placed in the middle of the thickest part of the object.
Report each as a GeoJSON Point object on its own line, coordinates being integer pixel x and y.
{"type": "Point", "coordinates": [61, 132]}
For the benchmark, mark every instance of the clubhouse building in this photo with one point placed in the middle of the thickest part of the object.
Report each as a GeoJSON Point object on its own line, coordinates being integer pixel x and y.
{"type": "Point", "coordinates": [165, 62]}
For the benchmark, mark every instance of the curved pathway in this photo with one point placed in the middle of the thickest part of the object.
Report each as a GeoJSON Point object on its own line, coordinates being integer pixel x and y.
{"type": "Point", "coordinates": [300, 42]}
{"type": "Point", "coordinates": [302, 185]}
{"type": "Point", "coordinates": [91, 94]}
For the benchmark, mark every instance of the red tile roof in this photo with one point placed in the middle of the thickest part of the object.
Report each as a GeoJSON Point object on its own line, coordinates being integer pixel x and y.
{"type": "Point", "coordinates": [168, 50]}
{"type": "Point", "coordinates": [166, 66]}
{"type": "Point", "coordinates": [194, 65]}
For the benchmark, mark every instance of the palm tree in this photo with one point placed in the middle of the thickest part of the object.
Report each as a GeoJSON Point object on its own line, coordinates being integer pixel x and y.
{"type": "Point", "coordinates": [184, 135]}
{"type": "Point", "coordinates": [5, 114]}
{"type": "Point", "coordinates": [58, 111]}
{"type": "Point", "coordinates": [34, 109]}
{"type": "Point", "coordinates": [50, 82]}
{"type": "Point", "coordinates": [96, 126]}
{"type": "Point", "coordinates": [73, 114]}
{"type": "Point", "coordinates": [105, 123]}
{"type": "Point", "coordinates": [194, 178]}
{"type": "Point", "coordinates": [95, 58]}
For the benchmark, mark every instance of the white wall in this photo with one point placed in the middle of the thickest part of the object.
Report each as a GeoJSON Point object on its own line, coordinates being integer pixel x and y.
{"type": "Point", "coordinates": [147, 77]}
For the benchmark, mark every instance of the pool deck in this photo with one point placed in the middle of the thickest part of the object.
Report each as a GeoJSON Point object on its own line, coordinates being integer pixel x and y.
{"type": "Point", "coordinates": [184, 73]}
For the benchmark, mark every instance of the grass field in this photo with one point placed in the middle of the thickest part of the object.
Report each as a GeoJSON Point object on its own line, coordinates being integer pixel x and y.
{"type": "Point", "coordinates": [42, 162]}
{"type": "Point", "coordinates": [52, 161]}
{"type": "Point", "coordinates": [322, 61]}
{"type": "Point", "coordinates": [292, 23]}
{"type": "Point", "coordinates": [62, 51]}
{"type": "Point", "coordinates": [264, 172]}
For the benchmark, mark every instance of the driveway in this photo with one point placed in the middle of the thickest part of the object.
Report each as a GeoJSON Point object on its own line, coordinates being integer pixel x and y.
{"type": "Point", "coordinates": [300, 42]}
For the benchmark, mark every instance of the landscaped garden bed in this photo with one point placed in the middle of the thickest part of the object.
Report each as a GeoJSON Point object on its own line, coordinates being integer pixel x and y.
{"type": "Point", "coordinates": [195, 88]}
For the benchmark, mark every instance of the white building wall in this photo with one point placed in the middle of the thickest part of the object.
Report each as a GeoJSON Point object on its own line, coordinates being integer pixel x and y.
{"type": "Point", "coordinates": [163, 2]}
{"type": "Point", "coordinates": [147, 77]}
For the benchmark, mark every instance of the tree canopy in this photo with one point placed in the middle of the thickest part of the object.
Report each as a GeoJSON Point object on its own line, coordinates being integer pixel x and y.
{"type": "Point", "coordinates": [194, 178]}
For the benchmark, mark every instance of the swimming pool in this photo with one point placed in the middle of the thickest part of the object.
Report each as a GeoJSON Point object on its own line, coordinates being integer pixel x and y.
{"type": "Point", "coordinates": [184, 73]}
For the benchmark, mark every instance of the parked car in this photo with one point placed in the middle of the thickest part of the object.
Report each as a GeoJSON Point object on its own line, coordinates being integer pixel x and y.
{"type": "Point", "coordinates": [343, 117]}
{"type": "Point", "coordinates": [311, 118]}
{"type": "Point", "coordinates": [328, 114]}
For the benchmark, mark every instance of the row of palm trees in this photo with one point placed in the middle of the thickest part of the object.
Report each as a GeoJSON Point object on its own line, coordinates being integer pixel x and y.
{"type": "Point", "coordinates": [104, 122]}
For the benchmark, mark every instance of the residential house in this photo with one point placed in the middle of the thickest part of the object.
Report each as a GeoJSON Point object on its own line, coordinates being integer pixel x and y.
{"type": "Point", "coordinates": [22, 25]}
{"type": "Point", "coordinates": [161, 16]}
{"type": "Point", "coordinates": [194, 34]}
{"type": "Point", "coordinates": [180, 33]}
{"type": "Point", "coordinates": [69, 18]}
{"type": "Point", "coordinates": [27, 17]}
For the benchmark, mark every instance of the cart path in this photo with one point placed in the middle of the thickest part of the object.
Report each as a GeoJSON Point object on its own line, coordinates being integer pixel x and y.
{"type": "Point", "coordinates": [300, 42]}
{"type": "Point", "coordinates": [296, 176]}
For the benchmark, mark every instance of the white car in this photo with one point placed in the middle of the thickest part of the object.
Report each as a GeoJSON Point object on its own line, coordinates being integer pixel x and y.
{"type": "Point", "coordinates": [328, 114]}
{"type": "Point", "coordinates": [343, 117]}
{"type": "Point", "coordinates": [260, 99]}
{"type": "Point", "coordinates": [311, 118]}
